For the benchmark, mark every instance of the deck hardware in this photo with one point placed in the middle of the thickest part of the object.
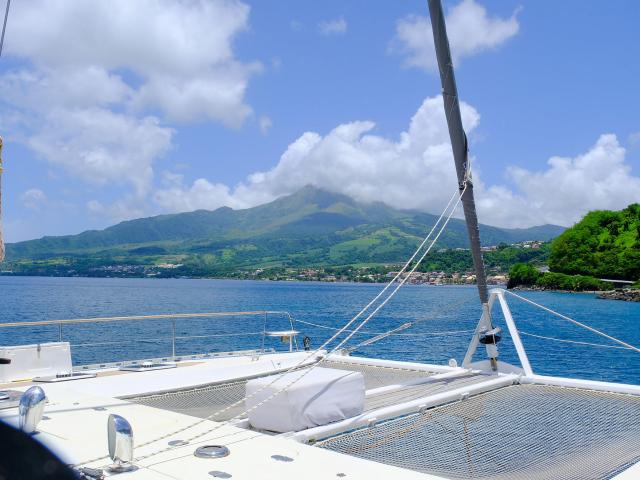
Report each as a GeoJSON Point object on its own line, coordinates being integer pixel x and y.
{"type": "Point", "coordinates": [31, 408]}
{"type": "Point", "coordinates": [120, 435]}
{"type": "Point", "coordinates": [4, 396]}
{"type": "Point", "coordinates": [282, 458]}
{"type": "Point", "coordinates": [91, 473]}
{"type": "Point", "coordinates": [491, 336]}
{"type": "Point", "coordinates": [453, 363]}
{"type": "Point", "coordinates": [212, 451]}
{"type": "Point", "coordinates": [147, 366]}
{"type": "Point", "coordinates": [64, 377]}
{"type": "Point", "coordinates": [177, 443]}
{"type": "Point", "coordinates": [219, 474]}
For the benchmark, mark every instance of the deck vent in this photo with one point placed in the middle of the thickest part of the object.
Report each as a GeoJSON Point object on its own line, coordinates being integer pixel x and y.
{"type": "Point", "coordinates": [64, 377]}
{"type": "Point", "coordinates": [31, 408]}
{"type": "Point", "coordinates": [147, 366]}
{"type": "Point", "coordinates": [212, 451]}
{"type": "Point", "coordinates": [120, 436]}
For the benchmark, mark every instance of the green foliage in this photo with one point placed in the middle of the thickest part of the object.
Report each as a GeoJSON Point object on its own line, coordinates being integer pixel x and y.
{"type": "Point", "coordinates": [522, 274]}
{"type": "Point", "coordinates": [604, 244]}
{"type": "Point", "coordinates": [310, 227]}
{"type": "Point", "coordinates": [526, 275]}
{"type": "Point", "coordinates": [560, 281]}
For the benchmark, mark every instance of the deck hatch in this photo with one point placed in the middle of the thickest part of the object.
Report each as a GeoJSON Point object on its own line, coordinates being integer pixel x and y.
{"type": "Point", "coordinates": [516, 432]}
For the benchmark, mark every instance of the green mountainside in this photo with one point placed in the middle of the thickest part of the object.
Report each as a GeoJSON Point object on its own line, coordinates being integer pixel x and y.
{"type": "Point", "coordinates": [311, 227]}
{"type": "Point", "coordinates": [604, 244]}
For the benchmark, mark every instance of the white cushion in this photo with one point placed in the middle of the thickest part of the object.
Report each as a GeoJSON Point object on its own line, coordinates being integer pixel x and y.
{"type": "Point", "coordinates": [322, 396]}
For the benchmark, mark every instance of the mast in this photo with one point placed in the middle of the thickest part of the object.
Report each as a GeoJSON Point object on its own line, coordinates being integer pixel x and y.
{"type": "Point", "coordinates": [463, 170]}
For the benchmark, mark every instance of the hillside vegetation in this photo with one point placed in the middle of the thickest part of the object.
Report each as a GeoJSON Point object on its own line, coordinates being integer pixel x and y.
{"type": "Point", "coordinates": [528, 276]}
{"type": "Point", "coordinates": [604, 244]}
{"type": "Point", "coordinates": [309, 228]}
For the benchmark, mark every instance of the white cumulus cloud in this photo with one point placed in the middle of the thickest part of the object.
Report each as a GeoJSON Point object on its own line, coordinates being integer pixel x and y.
{"type": "Point", "coordinates": [412, 171]}
{"type": "Point", "coordinates": [180, 53]}
{"type": "Point", "coordinates": [567, 189]}
{"type": "Point", "coordinates": [101, 146]}
{"type": "Point", "coordinates": [470, 29]}
{"type": "Point", "coordinates": [96, 83]}
{"type": "Point", "coordinates": [415, 171]}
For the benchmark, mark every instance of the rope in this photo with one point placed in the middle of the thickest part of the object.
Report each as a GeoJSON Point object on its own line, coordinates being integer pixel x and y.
{"type": "Point", "coordinates": [317, 351]}
{"type": "Point", "coordinates": [575, 322]}
{"type": "Point", "coordinates": [572, 341]}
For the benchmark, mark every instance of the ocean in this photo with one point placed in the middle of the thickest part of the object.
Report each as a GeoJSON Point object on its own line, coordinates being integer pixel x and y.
{"type": "Point", "coordinates": [443, 318]}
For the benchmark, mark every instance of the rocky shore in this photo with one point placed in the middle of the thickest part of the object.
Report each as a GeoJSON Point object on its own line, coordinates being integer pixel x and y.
{"type": "Point", "coordinates": [626, 294]}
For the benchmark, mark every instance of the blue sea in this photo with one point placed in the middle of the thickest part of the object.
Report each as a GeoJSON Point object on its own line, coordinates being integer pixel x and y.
{"type": "Point", "coordinates": [433, 309]}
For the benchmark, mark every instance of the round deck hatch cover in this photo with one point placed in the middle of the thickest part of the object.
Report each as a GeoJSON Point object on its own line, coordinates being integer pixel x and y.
{"type": "Point", "coordinates": [4, 396]}
{"type": "Point", "coordinates": [212, 451]}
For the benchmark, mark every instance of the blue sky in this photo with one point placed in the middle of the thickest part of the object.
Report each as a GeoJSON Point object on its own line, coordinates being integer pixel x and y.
{"type": "Point", "coordinates": [166, 106]}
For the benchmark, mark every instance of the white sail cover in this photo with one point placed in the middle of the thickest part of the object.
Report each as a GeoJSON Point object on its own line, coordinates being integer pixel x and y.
{"type": "Point", "coordinates": [321, 396]}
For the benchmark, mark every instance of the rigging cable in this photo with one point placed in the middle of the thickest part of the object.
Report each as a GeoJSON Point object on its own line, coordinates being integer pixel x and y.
{"type": "Point", "coordinates": [563, 340]}
{"type": "Point", "coordinates": [575, 322]}
{"type": "Point", "coordinates": [368, 332]}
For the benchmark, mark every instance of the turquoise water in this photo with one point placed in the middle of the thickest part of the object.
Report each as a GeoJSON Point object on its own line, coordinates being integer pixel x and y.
{"type": "Point", "coordinates": [436, 309]}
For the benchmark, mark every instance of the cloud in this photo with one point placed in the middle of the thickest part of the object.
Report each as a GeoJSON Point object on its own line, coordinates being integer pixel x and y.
{"type": "Point", "coordinates": [95, 84]}
{"type": "Point", "coordinates": [337, 26]}
{"type": "Point", "coordinates": [567, 189]}
{"type": "Point", "coordinates": [179, 64]}
{"type": "Point", "coordinates": [469, 27]}
{"type": "Point", "coordinates": [101, 146]}
{"type": "Point", "coordinates": [265, 124]}
{"type": "Point", "coordinates": [33, 198]}
{"type": "Point", "coordinates": [350, 159]}
{"type": "Point", "coordinates": [415, 171]}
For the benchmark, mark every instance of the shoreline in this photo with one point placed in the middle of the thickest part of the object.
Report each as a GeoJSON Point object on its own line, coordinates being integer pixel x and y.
{"type": "Point", "coordinates": [621, 294]}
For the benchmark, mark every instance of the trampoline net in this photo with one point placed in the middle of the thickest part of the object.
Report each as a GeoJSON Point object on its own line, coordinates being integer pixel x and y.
{"type": "Point", "coordinates": [516, 432]}
{"type": "Point", "coordinates": [205, 400]}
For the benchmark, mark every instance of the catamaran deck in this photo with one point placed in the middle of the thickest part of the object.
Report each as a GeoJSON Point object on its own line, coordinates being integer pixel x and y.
{"type": "Point", "coordinates": [420, 421]}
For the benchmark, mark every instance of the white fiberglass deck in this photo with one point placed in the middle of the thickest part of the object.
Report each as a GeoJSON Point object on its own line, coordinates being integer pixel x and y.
{"type": "Point", "coordinates": [420, 421]}
{"type": "Point", "coordinates": [76, 415]}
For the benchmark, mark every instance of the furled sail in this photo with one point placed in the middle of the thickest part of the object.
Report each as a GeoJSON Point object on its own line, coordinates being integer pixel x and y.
{"type": "Point", "coordinates": [461, 158]}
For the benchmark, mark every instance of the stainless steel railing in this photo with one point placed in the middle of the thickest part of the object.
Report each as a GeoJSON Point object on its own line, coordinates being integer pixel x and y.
{"type": "Point", "coordinates": [172, 317]}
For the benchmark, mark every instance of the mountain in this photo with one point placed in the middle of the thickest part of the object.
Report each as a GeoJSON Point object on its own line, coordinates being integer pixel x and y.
{"type": "Point", "coordinates": [309, 227]}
